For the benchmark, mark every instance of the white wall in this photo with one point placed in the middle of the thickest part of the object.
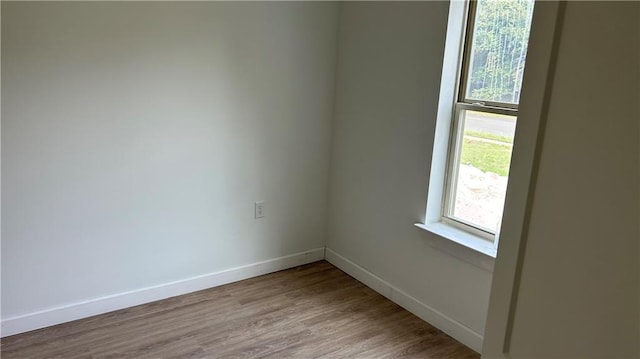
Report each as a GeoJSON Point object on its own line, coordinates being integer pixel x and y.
{"type": "Point", "coordinates": [578, 291]}
{"type": "Point", "coordinates": [136, 137]}
{"type": "Point", "coordinates": [388, 78]}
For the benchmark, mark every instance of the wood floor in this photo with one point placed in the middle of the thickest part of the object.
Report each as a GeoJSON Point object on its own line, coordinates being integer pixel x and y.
{"type": "Point", "coordinates": [312, 311]}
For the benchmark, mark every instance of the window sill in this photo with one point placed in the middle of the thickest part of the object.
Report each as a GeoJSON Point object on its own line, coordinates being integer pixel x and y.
{"type": "Point", "coordinates": [464, 245]}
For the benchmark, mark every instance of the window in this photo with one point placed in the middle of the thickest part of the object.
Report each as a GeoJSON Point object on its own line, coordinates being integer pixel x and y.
{"type": "Point", "coordinates": [485, 112]}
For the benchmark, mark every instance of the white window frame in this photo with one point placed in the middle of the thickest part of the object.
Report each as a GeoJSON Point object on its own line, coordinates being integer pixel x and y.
{"type": "Point", "coordinates": [464, 103]}
{"type": "Point", "coordinates": [463, 241]}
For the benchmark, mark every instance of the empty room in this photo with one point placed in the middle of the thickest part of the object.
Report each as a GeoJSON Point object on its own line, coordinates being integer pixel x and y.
{"type": "Point", "coordinates": [425, 179]}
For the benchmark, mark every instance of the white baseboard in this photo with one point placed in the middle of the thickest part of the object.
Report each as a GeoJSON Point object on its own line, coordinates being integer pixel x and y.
{"type": "Point", "coordinates": [455, 329]}
{"type": "Point", "coordinates": [79, 310]}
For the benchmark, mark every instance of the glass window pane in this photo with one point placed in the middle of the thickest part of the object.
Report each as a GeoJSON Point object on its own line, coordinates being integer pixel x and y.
{"type": "Point", "coordinates": [498, 50]}
{"type": "Point", "coordinates": [482, 168]}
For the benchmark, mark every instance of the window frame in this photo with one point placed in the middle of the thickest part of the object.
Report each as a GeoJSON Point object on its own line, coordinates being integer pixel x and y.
{"type": "Point", "coordinates": [534, 101]}
{"type": "Point", "coordinates": [462, 103]}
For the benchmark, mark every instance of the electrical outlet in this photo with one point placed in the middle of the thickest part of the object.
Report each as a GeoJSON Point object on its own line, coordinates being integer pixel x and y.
{"type": "Point", "coordinates": [259, 209]}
